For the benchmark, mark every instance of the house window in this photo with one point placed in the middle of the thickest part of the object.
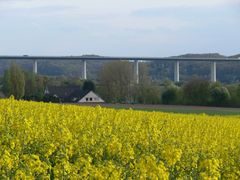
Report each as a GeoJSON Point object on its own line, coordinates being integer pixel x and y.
{"type": "Point", "coordinates": [86, 99]}
{"type": "Point", "coordinates": [90, 99]}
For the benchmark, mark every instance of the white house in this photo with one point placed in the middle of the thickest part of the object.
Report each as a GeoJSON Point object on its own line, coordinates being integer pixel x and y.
{"type": "Point", "coordinates": [72, 94]}
{"type": "Point", "coordinates": [90, 97]}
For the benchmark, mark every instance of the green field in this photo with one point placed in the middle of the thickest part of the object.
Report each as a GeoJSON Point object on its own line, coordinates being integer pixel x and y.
{"type": "Point", "coordinates": [209, 112]}
{"type": "Point", "coordinates": [175, 109]}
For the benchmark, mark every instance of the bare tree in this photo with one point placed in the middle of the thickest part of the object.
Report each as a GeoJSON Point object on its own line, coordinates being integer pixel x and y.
{"type": "Point", "coordinates": [116, 80]}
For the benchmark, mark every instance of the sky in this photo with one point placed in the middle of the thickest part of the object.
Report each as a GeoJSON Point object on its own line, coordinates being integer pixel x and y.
{"type": "Point", "coordinates": [154, 28]}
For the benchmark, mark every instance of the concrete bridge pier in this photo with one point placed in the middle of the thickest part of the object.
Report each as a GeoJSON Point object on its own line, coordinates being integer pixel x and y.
{"type": "Point", "coordinates": [176, 71]}
{"type": "Point", "coordinates": [213, 71]}
{"type": "Point", "coordinates": [35, 67]}
{"type": "Point", "coordinates": [136, 71]}
{"type": "Point", "coordinates": [84, 70]}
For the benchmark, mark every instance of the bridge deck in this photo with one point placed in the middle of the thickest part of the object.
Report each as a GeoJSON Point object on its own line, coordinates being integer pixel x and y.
{"type": "Point", "coordinates": [108, 58]}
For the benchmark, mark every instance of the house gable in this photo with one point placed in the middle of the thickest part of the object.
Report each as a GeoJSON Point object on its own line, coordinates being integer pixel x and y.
{"type": "Point", "coordinates": [91, 97]}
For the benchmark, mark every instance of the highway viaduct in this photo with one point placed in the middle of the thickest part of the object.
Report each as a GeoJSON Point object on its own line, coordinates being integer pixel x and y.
{"type": "Point", "coordinates": [136, 60]}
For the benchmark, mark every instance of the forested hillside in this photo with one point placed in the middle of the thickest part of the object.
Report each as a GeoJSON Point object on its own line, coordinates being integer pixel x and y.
{"type": "Point", "coordinates": [227, 72]}
{"type": "Point", "coordinates": [159, 71]}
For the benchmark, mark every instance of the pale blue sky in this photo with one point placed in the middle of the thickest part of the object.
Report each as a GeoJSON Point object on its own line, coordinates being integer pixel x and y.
{"type": "Point", "coordinates": [119, 27]}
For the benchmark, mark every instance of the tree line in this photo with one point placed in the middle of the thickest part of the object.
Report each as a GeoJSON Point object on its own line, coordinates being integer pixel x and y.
{"type": "Point", "coordinates": [22, 84]}
{"type": "Point", "coordinates": [116, 85]}
{"type": "Point", "coordinates": [201, 92]}
{"type": "Point", "coordinates": [29, 86]}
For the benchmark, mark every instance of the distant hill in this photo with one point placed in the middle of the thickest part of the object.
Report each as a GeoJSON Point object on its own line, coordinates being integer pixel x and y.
{"type": "Point", "coordinates": [159, 71]}
{"type": "Point", "coordinates": [207, 55]}
{"type": "Point", "coordinates": [235, 56]}
{"type": "Point", "coordinates": [226, 72]}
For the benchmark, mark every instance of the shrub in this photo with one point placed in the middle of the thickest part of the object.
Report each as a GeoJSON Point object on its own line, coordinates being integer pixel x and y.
{"type": "Point", "coordinates": [147, 94]}
{"type": "Point", "coordinates": [238, 92]}
{"type": "Point", "coordinates": [170, 96]}
{"type": "Point", "coordinates": [197, 92]}
{"type": "Point", "coordinates": [220, 96]}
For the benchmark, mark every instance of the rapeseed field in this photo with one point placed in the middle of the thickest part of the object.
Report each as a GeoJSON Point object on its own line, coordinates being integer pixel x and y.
{"type": "Point", "coordinates": [50, 141]}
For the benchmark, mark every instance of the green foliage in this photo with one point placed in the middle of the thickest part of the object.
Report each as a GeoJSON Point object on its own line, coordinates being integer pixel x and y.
{"type": "Point", "coordinates": [234, 90]}
{"type": "Point", "coordinates": [89, 86]}
{"type": "Point", "coordinates": [116, 79]}
{"type": "Point", "coordinates": [170, 95]}
{"type": "Point", "coordinates": [40, 87]}
{"type": "Point", "coordinates": [14, 82]}
{"type": "Point", "coordinates": [147, 94]}
{"type": "Point", "coordinates": [220, 96]}
{"type": "Point", "coordinates": [238, 92]}
{"type": "Point", "coordinates": [30, 85]}
{"type": "Point", "coordinates": [7, 85]}
{"type": "Point", "coordinates": [197, 92]}
{"type": "Point", "coordinates": [34, 86]}
{"type": "Point", "coordinates": [22, 84]}
{"type": "Point", "coordinates": [201, 92]}
{"type": "Point", "coordinates": [168, 83]}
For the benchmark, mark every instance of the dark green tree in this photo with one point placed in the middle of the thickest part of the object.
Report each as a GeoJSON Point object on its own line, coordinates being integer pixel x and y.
{"type": "Point", "coordinates": [30, 85]}
{"type": "Point", "coordinates": [197, 92]}
{"type": "Point", "coordinates": [170, 95]}
{"type": "Point", "coordinates": [40, 87]}
{"type": "Point", "coordinates": [89, 86]}
{"type": "Point", "coordinates": [34, 86]}
{"type": "Point", "coordinates": [7, 85]}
